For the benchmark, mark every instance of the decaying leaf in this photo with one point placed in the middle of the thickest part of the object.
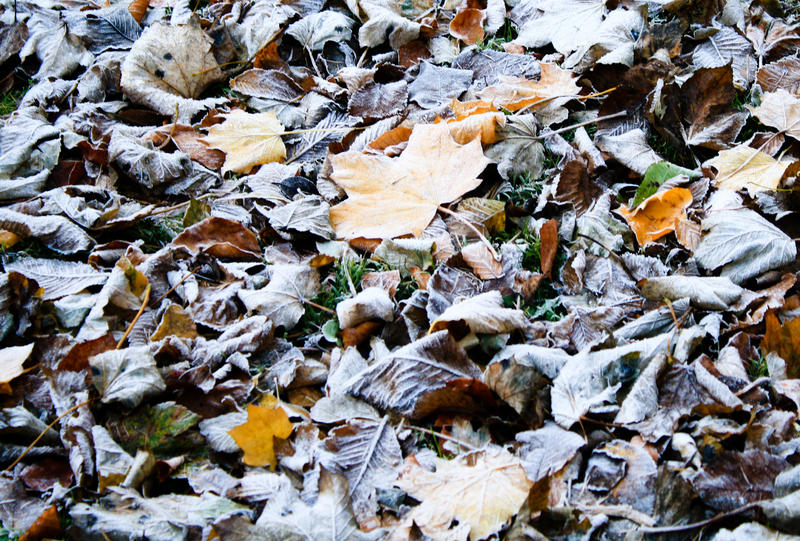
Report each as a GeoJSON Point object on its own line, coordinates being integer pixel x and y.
{"type": "Point", "coordinates": [255, 437]}
{"type": "Point", "coordinates": [491, 484]}
{"type": "Point", "coordinates": [392, 197]}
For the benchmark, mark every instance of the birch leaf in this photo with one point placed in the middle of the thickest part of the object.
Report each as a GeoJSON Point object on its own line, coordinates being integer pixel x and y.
{"type": "Point", "coordinates": [391, 197]}
{"type": "Point", "coordinates": [247, 140]}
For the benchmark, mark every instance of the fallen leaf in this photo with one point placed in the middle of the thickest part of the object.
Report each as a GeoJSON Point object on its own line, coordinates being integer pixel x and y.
{"type": "Point", "coordinates": [549, 246]}
{"type": "Point", "coordinates": [220, 237]}
{"type": "Point", "coordinates": [255, 437]}
{"type": "Point", "coordinates": [247, 140]}
{"type": "Point", "coordinates": [481, 261]}
{"type": "Point", "coordinates": [709, 293]}
{"type": "Point", "coordinates": [47, 526]}
{"type": "Point", "coordinates": [491, 485]}
{"type": "Point", "coordinates": [781, 75]}
{"type": "Point", "coordinates": [779, 110]}
{"type": "Point", "coordinates": [733, 479]}
{"type": "Point", "coordinates": [436, 86]}
{"type": "Point", "coordinates": [555, 85]}
{"type": "Point", "coordinates": [783, 339]}
{"type": "Point", "coordinates": [467, 25]}
{"type": "Point", "coordinates": [393, 197]}
{"type": "Point", "coordinates": [126, 375]}
{"type": "Point", "coordinates": [564, 24]}
{"type": "Point", "coordinates": [484, 314]}
{"type": "Point", "coordinates": [11, 361]}
{"type": "Point", "coordinates": [138, 8]}
{"type": "Point", "coordinates": [57, 278]}
{"type": "Point", "coordinates": [656, 175]}
{"type": "Point", "coordinates": [745, 167]}
{"type": "Point", "coordinates": [175, 322]}
{"type": "Point", "coordinates": [728, 46]}
{"type": "Point", "coordinates": [658, 215]}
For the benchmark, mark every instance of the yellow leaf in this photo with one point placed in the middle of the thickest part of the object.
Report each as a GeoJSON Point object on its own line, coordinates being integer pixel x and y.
{"type": "Point", "coordinates": [389, 197]}
{"type": "Point", "coordinates": [658, 215]}
{"type": "Point", "coordinates": [783, 340]}
{"type": "Point", "coordinates": [515, 93]}
{"type": "Point", "coordinates": [11, 361]}
{"type": "Point", "coordinates": [745, 167]}
{"type": "Point", "coordinates": [255, 436]}
{"type": "Point", "coordinates": [175, 322]}
{"type": "Point", "coordinates": [482, 490]}
{"type": "Point", "coordinates": [247, 140]}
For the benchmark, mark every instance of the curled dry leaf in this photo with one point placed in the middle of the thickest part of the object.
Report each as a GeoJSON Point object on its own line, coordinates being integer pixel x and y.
{"type": "Point", "coordinates": [467, 25]}
{"type": "Point", "coordinates": [515, 93]}
{"type": "Point", "coordinates": [658, 215]}
{"type": "Point", "coordinates": [247, 140]}
{"type": "Point", "coordinates": [783, 339]}
{"type": "Point", "coordinates": [255, 437]}
{"type": "Point", "coordinates": [220, 237]}
{"type": "Point", "coordinates": [392, 197]}
{"type": "Point", "coordinates": [491, 485]}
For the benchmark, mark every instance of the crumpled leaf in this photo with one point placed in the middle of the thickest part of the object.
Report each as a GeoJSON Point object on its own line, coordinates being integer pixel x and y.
{"type": "Point", "coordinates": [309, 214]}
{"type": "Point", "coordinates": [382, 19]}
{"type": "Point", "coordinates": [59, 49]}
{"type": "Point", "coordinates": [613, 42]}
{"type": "Point", "coordinates": [247, 140]}
{"type": "Point", "coordinates": [517, 150]}
{"type": "Point", "coordinates": [436, 86]}
{"type": "Point", "coordinates": [709, 293]}
{"type": "Point", "coordinates": [144, 163]}
{"type": "Point", "coordinates": [317, 29]}
{"type": "Point", "coordinates": [482, 314]}
{"type": "Point", "coordinates": [658, 215]}
{"type": "Point", "coordinates": [282, 299]}
{"type": "Point", "coordinates": [600, 226]}
{"type": "Point", "coordinates": [169, 67]}
{"type": "Point", "coordinates": [170, 517]}
{"type": "Point", "coordinates": [58, 278]}
{"type": "Point", "coordinates": [28, 145]}
{"type": "Point", "coordinates": [399, 380]}
{"type": "Point", "coordinates": [554, 87]}
{"type": "Point", "coordinates": [126, 375]}
{"type": "Point", "coordinates": [706, 98]}
{"type": "Point", "coordinates": [367, 452]}
{"type": "Point", "coordinates": [391, 197]}
{"type": "Point", "coordinates": [255, 437]}
{"type": "Point", "coordinates": [491, 485]}
{"type": "Point", "coordinates": [370, 304]}
{"type": "Point", "coordinates": [546, 450]}
{"type": "Point", "coordinates": [56, 232]}
{"type": "Point", "coordinates": [746, 167]}
{"type": "Point", "coordinates": [11, 361]}
{"type": "Point", "coordinates": [481, 260]}
{"type": "Point", "coordinates": [742, 244]}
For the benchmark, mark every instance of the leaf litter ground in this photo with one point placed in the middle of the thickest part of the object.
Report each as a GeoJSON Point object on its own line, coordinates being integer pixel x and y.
{"type": "Point", "coordinates": [363, 269]}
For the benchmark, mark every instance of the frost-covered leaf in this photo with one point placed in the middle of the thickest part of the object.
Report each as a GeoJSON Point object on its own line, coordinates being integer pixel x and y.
{"type": "Point", "coordinates": [247, 140]}
{"type": "Point", "coordinates": [779, 110]}
{"type": "Point", "coordinates": [255, 437]}
{"type": "Point", "coordinates": [491, 487]}
{"type": "Point", "coordinates": [126, 375]}
{"type": "Point", "coordinates": [482, 314]}
{"type": "Point", "coordinates": [58, 278]}
{"type": "Point", "coordinates": [28, 144]}
{"type": "Point", "coordinates": [746, 167]}
{"type": "Point", "coordinates": [367, 453]}
{"type": "Point", "coordinates": [317, 29]}
{"type": "Point", "coordinates": [564, 24]}
{"type": "Point", "coordinates": [399, 380]}
{"type": "Point", "coordinates": [144, 163]}
{"type": "Point", "coordinates": [708, 293]}
{"type": "Point", "coordinates": [728, 46]}
{"type": "Point", "coordinates": [742, 244]}
{"type": "Point", "coordinates": [308, 214]}
{"type": "Point", "coordinates": [436, 86]}
{"type": "Point", "coordinates": [630, 149]}
{"type": "Point", "coordinates": [169, 67]}
{"type": "Point", "coordinates": [382, 19]}
{"type": "Point", "coordinates": [56, 232]}
{"type": "Point", "coordinates": [282, 299]}
{"type": "Point", "coordinates": [598, 231]}
{"type": "Point", "coordinates": [11, 361]}
{"type": "Point", "coordinates": [546, 450]}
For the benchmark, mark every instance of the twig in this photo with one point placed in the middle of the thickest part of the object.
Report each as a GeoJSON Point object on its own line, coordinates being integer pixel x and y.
{"type": "Point", "coordinates": [581, 124]}
{"type": "Point", "coordinates": [135, 319]}
{"type": "Point", "coordinates": [170, 290]}
{"type": "Point", "coordinates": [473, 229]}
{"type": "Point", "coordinates": [43, 432]}
{"type": "Point", "coordinates": [701, 524]}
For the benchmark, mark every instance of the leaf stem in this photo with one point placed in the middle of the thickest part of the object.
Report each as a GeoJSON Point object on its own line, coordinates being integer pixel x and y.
{"type": "Point", "coordinates": [135, 319]}
{"type": "Point", "coordinates": [473, 229]}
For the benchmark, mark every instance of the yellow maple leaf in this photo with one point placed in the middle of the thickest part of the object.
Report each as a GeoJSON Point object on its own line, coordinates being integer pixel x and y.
{"type": "Point", "coordinates": [389, 197]}
{"type": "Point", "coordinates": [255, 436]}
{"type": "Point", "coordinates": [247, 140]}
{"type": "Point", "coordinates": [515, 93]}
{"type": "Point", "coordinates": [745, 167]}
{"type": "Point", "coordinates": [658, 215]}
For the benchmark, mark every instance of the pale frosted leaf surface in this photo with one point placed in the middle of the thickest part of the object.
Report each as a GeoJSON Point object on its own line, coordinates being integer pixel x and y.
{"type": "Point", "coordinates": [58, 278]}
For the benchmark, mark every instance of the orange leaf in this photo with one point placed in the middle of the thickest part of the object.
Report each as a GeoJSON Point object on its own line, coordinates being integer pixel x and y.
{"type": "Point", "coordinates": [658, 215]}
{"type": "Point", "coordinates": [138, 8]}
{"type": "Point", "coordinates": [467, 25]}
{"type": "Point", "coordinates": [783, 340]}
{"type": "Point", "coordinates": [481, 260]}
{"type": "Point", "coordinates": [255, 436]}
{"type": "Point", "coordinates": [549, 245]}
{"type": "Point", "coordinates": [47, 526]}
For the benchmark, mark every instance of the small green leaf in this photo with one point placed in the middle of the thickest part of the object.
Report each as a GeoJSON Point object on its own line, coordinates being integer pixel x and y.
{"type": "Point", "coordinates": [656, 175]}
{"type": "Point", "coordinates": [331, 330]}
{"type": "Point", "coordinates": [197, 212]}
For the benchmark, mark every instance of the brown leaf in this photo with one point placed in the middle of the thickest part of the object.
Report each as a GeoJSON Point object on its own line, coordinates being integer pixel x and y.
{"type": "Point", "coordinates": [355, 336]}
{"type": "Point", "coordinates": [386, 280]}
{"type": "Point", "coordinates": [175, 322]}
{"type": "Point", "coordinates": [783, 339]}
{"type": "Point", "coordinates": [467, 25]}
{"type": "Point", "coordinates": [658, 215]}
{"type": "Point", "coordinates": [47, 526]}
{"type": "Point", "coordinates": [220, 237]}
{"type": "Point", "coordinates": [255, 437]}
{"type": "Point", "coordinates": [549, 246]}
{"type": "Point", "coordinates": [47, 472]}
{"type": "Point", "coordinates": [78, 356]}
{"type": "Point", "coordinates": [783, 74]}
{"type": "Point", "coordinates": [388, 198]}
{"type": "Point", "coordinates": [188, 140]}
{"type": "Point", "coordinates": [577, 187]}
{"type": "Point", "coordinates": [481, 260]}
